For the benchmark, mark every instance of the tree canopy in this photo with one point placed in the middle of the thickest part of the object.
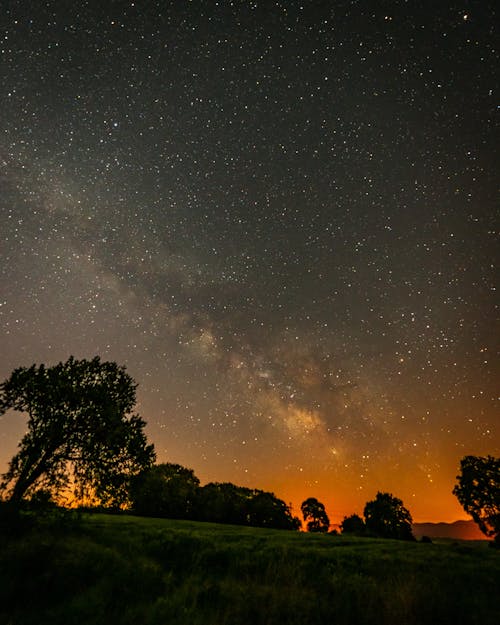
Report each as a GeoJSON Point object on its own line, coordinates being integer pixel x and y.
{"type": "Point", "coordinates": [81, 430]}
{"type": "Point", "coordinates": [315, 516]}
{"type": "Point", "coordinates": [266, 510]}
{"type": "Point", "coordinates": [172, 491]}
{"type": "Point", "coordinates": [353, 524]}
{"type": "Point", "coordinates": [478, 491]}
{"type": "Point", "coordinates": [165, 490]}
{"type": "Point", "coordinates": [227, 503]}
{"type": "Point", "coordinates": [386, 517]}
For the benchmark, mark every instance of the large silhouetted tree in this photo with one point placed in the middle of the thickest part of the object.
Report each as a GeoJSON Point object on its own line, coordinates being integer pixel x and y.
{"type": "Point", "coordinates": [165, 490]}
{"type": "Point", "coordinates": [478, 491]}
{"type": "Point", "coordinates": [81, 430]}
{"type": "Point", "coordinates": [315, 516]}
{"type": "Point", "coordinates": [386, 517]}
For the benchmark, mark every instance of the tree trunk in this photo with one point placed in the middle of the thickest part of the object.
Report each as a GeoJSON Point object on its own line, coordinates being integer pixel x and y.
{"type": "Point", "coordinates": [25, 480]}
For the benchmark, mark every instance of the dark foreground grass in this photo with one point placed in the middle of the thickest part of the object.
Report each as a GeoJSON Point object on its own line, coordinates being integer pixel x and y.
{"type": "Point", "coordinates": [128, 570]}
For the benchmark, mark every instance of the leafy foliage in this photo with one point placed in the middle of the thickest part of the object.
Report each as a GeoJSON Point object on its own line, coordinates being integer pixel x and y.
{"type": "Point", "coordinates": [228, 503]}
{"type": "Point", "coordinates": [172, 491]}
{"type": "Point", "coordinates": [80, 430]}
{"type": "Point", "coordinates": [315, 516]}
{"type": "Point", "coordinates": [353, 524]}
{"type": "Point", "coordinates": [223, 502]}
{"type": "Point", "coordinates": [266, 510]}
{"type": "Point", "coordinates": [478, 491]}
{"type": "Point", "coordinates": [386, 517]}
{"type": "Point", "coordinates": [165, 490]}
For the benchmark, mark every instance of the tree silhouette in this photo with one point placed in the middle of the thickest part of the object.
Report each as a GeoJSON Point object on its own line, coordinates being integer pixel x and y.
{"type": "Point", "coordinates": [478, 491]}
{"type": "Point", "coordinates": [353, 524]}
{"type": "Point", "coordinates": [266, 510]}
{"type": "Point", "coordinates": [223, 502]}
{"type": "Point", "coordinates": [386, 517]}
{"type": "Point", "coordinates": [80, 430]}
{"type": "Point", "coordinates": [315, 516]}
{"type": "Point", "coordinates": [165, 490]}
{"type": "Point", "coordinates": [228, 503]}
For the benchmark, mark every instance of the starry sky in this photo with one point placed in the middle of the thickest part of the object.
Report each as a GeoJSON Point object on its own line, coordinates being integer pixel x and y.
{"type": "Point", "coordinates": [280, 216]}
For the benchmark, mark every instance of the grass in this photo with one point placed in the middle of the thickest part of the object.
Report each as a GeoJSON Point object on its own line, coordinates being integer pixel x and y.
{"type": "Point", "coordinates": [131, 570]}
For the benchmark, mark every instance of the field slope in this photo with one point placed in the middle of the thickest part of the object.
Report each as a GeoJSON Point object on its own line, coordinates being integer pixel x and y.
{"type": "Point", "coordinates": [130, 570]}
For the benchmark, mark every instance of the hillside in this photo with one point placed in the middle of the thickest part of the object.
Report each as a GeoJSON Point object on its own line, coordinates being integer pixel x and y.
{"type": "Point", "coordinates": [126, 570]}
{"type": "Point", "coordinates": [461, 530]}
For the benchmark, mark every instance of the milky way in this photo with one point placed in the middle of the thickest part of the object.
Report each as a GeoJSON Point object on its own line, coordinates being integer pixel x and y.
{"type": "Point", "coordinates": [280, 216]}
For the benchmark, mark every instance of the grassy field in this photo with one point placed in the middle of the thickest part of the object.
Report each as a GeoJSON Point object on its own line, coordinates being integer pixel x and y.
{"type": "Point", "coordinates": [130, 570]}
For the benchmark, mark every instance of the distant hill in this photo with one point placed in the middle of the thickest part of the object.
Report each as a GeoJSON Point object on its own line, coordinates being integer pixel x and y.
{"type": "Point", "coordinates": [464, 530]}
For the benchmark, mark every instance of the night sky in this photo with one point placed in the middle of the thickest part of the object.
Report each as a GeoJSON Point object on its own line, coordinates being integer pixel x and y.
{"type": "Point", "coordinates": [280, 216]}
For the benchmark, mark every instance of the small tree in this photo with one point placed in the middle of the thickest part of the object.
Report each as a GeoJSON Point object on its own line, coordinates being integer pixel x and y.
{"type": "Point", "coordinates": [315, 516]}
{"type": "Point", "coordinates": [353, 524]}
{"type": "Point", "coordinates": [80, 430]}
{"type": "Point", "coordinates": [386, 517]}
{"type": "Point", "coordinates": [478, 491]}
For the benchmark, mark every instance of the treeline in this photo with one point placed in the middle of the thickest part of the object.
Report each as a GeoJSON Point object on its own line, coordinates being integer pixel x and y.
{"type": "Point", "coordinates": [384, 517]}
{"type": "Point", "coordinates": [173, 491]}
